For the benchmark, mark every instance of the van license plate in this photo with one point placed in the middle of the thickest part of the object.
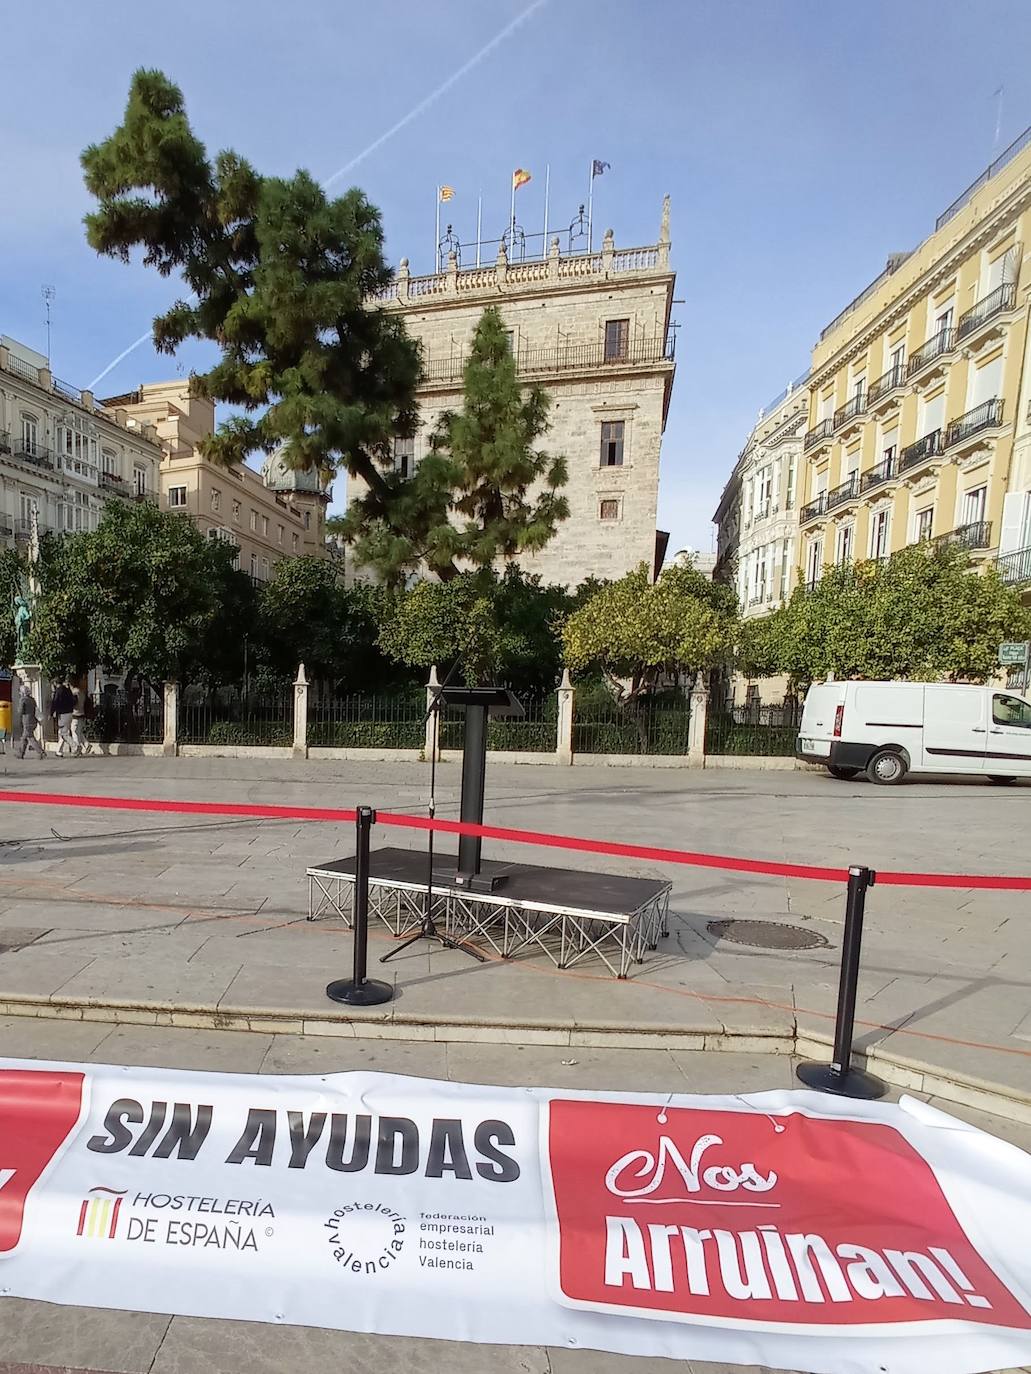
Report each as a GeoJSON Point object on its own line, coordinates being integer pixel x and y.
{"type": "Point", "coordinates": [816, 746]}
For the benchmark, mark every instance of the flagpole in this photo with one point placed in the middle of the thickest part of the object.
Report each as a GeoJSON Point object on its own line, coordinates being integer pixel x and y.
{"type": "Point", "coordinates": [436, 235]}
{"type": "Point", "coordinates": [590, 210]}
{"type": "Point", "coordinates": [511, 222]}
{"type": "Point", "coordinates": [547, 188]}
{"type": "Point", "coordinates": [479, 216]}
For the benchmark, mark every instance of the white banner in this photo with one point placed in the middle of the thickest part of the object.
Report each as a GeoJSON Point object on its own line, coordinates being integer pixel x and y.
{"type": "Point", "coordinates": [783, 1229]}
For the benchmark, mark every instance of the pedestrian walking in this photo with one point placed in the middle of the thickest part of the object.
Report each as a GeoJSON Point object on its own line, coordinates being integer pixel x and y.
{"type": "Point", "coordinates": [62, 708]}
{"type": "Point", "coordinates": [80, 715]}
{"type": "Point", "coordinates": [29, 723]}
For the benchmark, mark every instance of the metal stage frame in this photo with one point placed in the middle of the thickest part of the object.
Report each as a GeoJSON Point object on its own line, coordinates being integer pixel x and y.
{"type": "Point", "coordinates": [619, 920]}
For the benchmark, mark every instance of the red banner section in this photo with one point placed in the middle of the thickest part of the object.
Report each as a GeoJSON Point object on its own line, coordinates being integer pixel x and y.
{"type": "Point", "coordinates": [702, 1215]}
{"type": "Point", "coordinates": [38, 1112]}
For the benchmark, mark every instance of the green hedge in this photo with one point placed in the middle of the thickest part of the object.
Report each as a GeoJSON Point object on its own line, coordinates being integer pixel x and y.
{"type": "Point", "coordinates": [759, 741]}
{"type": "Point", "coordinates": [366, 734]}
{"type": "Point", "coordinates": [255, 732]}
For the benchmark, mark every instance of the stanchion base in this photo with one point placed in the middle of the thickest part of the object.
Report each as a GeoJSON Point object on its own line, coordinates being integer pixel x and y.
{"type": "Point", "coordinates": [368, 994]}
{"type": "Point", "coordinates": [853, 1082]}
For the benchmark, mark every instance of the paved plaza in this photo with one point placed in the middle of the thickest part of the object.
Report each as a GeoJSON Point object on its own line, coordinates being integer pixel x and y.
{"type": "Point", "coordinates": [203, 913]}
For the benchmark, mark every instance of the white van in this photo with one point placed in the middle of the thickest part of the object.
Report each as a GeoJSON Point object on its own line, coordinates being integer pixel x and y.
{"type": "Point", "coordinates": [887, 729]}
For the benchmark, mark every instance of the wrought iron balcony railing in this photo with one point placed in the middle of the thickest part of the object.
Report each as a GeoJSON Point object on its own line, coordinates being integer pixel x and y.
{"type": "Point", "coordinates": [942, 342]}
{"type": "Point", "coordinates": [1015, 568]}
{"type": "Point", "coordinates": [886, 383]}
{"type": "Point", "coordinates": [814, 509]}
{"type": "Point", "coordinates": [850, 410]}
{"type": "Point", "coordinates": [881, 472]}
{"type": "Point", "coordinates": [985, 416]}
{"type": "Point", "coordinates": [1002, 298]}
{"type": "Point", "coordinates": [927, 447]}
{"type": "Point", "coordinates": [823, 430]}
{"type": "Point", "coordinates": [976, 535]}
{"type": "Point", "coordinates": [845, 491]}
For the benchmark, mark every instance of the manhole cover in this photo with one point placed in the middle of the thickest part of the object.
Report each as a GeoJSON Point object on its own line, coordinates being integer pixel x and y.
{"type": "Point", "coordinates": [766, 935]}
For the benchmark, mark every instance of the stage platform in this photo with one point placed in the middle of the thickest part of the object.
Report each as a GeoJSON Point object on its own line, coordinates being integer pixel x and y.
{"type": "Point", "coordinates": [569, 915]}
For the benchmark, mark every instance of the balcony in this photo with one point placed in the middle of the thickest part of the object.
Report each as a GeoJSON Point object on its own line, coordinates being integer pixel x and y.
{"type": "Point", "coordinates": [569, 357]}
{"type": "Point", "coordinates": [960, 433]}
{"type": "Point", "coordinates": [882, 472]}
{"type": "Point", "coordinates": [916, 455]}
{"type": "Point", "coordinates": [818, 436]}
{"type": "Point", "coordinates": [929, 357]}
{"type": "Point", "coordinates": [6, 529]}
{"type": "Point", "coordinates": [882, 393]}
{"type": "Point", "coordinates": [847, 417]}
{"type": "Point", "coordinates": [112, 482]}
{"type": "Point", "coordinates": [814, 509]}
{"type": "Point", "coordinates": [976, 535]}
{"type": "Point", "coordinates": [987, 309]}
{"type": "Point", "coordinates": [5, 441]}
{"type": "Point", "coordinates": [35, 455]}
{"type": "Point", "coordinates": [847, 491]}
{"type": "Point", "coordinates": [146, 497]}
{"type": "Point", "coordinates": [1015, 568]}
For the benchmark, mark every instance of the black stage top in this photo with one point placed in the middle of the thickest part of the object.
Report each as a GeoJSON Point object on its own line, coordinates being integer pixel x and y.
{"type": "Point", "coordinates": [549, 889]}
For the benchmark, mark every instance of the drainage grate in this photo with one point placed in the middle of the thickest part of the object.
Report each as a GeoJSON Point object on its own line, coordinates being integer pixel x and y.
{"type": "Point", "coordinates": [766, 935]}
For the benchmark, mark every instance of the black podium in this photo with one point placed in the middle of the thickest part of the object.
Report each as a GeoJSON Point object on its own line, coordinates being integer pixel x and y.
{"type": "Point", "coordinates": [478, 703]}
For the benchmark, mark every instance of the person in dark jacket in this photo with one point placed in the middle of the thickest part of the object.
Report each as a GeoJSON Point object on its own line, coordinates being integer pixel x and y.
{"type": "Point", "coordinates": [29, 723]}
{"type": "Point", "coordinates": [62, 708]}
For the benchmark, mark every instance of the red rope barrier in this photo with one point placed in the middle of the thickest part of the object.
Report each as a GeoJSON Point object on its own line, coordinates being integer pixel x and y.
{"type": "Point", "coordinates": [810, 872]}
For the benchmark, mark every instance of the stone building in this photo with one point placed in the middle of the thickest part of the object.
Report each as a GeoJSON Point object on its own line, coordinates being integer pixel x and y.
{"type": "Point", "coordinates": [757, 517]}
{"type": "Point", "coordinates": [594, 330]}
{"type": "Point", "coordinates": [269, 515]}
{"type": "Point", "coordinates": [62, 453]}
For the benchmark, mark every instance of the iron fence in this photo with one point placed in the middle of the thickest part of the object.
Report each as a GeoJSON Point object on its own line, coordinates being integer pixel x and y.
{"type": "Point", "coordinates": [232, 715]}
{"type": "Point", "coordinates": [656, 724]}
{"type": "Point", "coordinates": [120, 715]}
{"type": "Point", "coordinates": [534, 732]}
{"type": "Point", "coordinates": [752, 728]}
{"type": "Point", "coordinates": [362, 720]}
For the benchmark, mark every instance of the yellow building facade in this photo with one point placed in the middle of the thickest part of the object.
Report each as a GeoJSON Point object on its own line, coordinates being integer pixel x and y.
{"type": "Point", "coordinates": [918, 386]}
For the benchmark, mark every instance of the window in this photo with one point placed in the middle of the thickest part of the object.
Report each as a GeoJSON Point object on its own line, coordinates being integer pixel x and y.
{"type": "Point", "coordinates": [984, 383]}
{"type": "Point", "coordinates": [765, 491]}
{"type": "Point", "coordinates": [307, 519]}
{"type": "Point", "coordinates": [264, 569]}
{"type": "Point", "coordinates": [264, 525]}
{"type": "Point", "coordinates": [612, 443]}
{"type": "Point", "coordinates": [973, 506]}
{"type": "Point", "coordinates": [609, 510]}
{"type": "Point", "coordinates": [216, 499]}
{"type": "Point", "coordinates": [254, 566]}
{"type": "Point", "coordinates": [813, 562]}
{"type": "Point", "coordinates": [943, 321]}
{"type": "Point", "coordinates": [139, 479]}
{"type": "Point", "coordinates": [176, 497]}
{"type": "Point", "coordinates": [280, 533]}
{"type": "Point", "coordinates": [254, 520]}
{"type": "Point", "coordinates": [846, 542]}
{"type": "Point", "coordinates": [889, 446]}
{"type": "Point", "coordinates": [897, 360]}
{"type": "Point", "coordinates": [29, 433]}
{"type": "Point", "coordinates": [109, 463]}
{"type": "Point", "coordinates": [617, 339]}
{"type": "Point", "coordinates": [785, 569]}
{"type": "Point", "coordinates": [932, 415]}
{"type": "Point", "coordinates": [880, 534]}
{"type": "Point", "coordinates": [924, 522]}
{"type": "Point", "coordinates": [510, 340]}
{"type": "Point", "coordinates": [237, 508]}
{"type": "Point", "coordinates": [404, 457]}
{"type": "Point", "coordinates": [294, 541]}
{"type": "Point", "coordinates": [792, 479]}
{"type": "Point", "coordinates": [76, 446]}
{"type": "Point", "coordinates": [1011, 711]}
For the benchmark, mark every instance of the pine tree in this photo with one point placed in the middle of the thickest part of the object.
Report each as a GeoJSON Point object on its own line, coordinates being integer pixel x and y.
{"type": "Point", "coordinates": [280, 277]}
{"type": "Point", "coordinates": [484, 491]}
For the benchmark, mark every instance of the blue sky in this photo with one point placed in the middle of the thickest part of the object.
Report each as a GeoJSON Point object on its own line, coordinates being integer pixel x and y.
{"type": "Point", "coordinates": [801, 142]}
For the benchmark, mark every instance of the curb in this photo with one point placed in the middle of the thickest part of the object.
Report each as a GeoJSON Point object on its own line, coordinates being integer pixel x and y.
{"type": "Point", "coordinates": [898, 1070]}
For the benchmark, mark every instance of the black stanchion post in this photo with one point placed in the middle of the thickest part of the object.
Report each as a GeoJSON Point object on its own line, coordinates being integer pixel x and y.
{"type": "Point", "coordinates": [840, 1076]}
{"type": "Point", "coordinates": [360, 991]}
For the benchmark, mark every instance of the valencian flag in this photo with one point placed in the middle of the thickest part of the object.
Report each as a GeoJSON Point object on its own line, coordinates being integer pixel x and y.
{"type": "Point", "coordinates": [598, 168]}
{"type": "Point", "coordinates": [519, 178]}
{"type": "Point", "coordinates": [447, 193]}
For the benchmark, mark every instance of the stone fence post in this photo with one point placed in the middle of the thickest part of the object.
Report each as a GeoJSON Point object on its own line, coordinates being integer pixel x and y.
{"type": "Point", "coordinates": [696, 725]}
{"type": "Point", "coordinates": [170, 743]}
{"type": "Point", "coordinates": [300, 749]}
{"type": "Point", "coordinates": [432, 720]}
{"type": "Point", "coordinates": [564, 742]}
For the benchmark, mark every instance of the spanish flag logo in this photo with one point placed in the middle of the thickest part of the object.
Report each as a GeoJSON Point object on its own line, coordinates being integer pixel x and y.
{"type": "Point", "coordinates": [447, 193]}
{"type": "Point", "coordinates": [98, 1216]}
{"type": "Point", "coordinates": [519, 178]}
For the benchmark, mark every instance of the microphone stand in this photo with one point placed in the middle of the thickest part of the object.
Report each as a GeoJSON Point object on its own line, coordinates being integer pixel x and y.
{"type": "Point", "coordinates": [428, 928]}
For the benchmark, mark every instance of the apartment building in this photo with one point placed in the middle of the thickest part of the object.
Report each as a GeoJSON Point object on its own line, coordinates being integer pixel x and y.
{"type": "Point", "coordinates": [593, 328]}
{"type": "Point", "coordinates": [757, 517]}
{"type": "Point", "coordinates": [918, 391]}
{"type": "Point", "coordinates": [62, 453]}
{"type": "Point", "coordinates": [268, 515]}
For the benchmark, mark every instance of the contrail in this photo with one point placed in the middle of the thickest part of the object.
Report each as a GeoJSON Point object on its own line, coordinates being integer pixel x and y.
{"type": "Point", "coordinates": [373, 147]}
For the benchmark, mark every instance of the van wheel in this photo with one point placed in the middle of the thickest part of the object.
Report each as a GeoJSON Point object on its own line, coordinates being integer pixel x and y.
{"type": "Point", "coordinates": [886, 767]}
{"type": "Point", "coordinates": [836, 771]}
{"type": "Point", "coordinates": [1000, 780]}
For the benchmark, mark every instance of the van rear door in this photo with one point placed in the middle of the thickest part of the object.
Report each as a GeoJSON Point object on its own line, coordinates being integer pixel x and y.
{"type": "Point", "coordinates": [955, 728]}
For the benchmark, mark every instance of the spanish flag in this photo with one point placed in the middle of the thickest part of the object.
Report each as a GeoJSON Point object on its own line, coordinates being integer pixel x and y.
{"type": "Point", "coordinates": [446, 192]}
{"type": "Point", "coordinates": [519, 178]}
